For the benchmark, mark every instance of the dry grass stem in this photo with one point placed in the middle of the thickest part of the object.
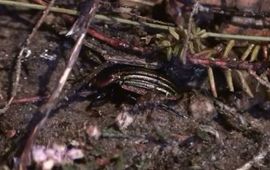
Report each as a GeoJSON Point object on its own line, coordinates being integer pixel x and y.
{"type": "Point", "coordinates": [24, 53]}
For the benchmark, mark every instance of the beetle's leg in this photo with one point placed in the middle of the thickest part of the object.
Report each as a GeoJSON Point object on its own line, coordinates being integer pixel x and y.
{"type": "Point", "coordinates": [98, 99]}
{"type": "Point", "coordinates": [154, 101]}
{"type": "Point", "coordinates": [153, 104]}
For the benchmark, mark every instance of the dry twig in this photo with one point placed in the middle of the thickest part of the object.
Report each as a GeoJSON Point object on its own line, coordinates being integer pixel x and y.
{"type": "Point", "coordinates": [262, 81]}
{"type": "Point", "coordinates": [79, 29]}
{"type": "Point", "coordinates": [24, 53]}
{"type": "Point", "coordinates": [256, 159]}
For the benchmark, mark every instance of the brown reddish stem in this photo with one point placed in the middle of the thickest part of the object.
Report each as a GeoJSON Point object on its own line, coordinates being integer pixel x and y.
{"type": "Point", "coordinates": [227, 64]}
{"type": "Point", "coordinates": [193, 59]}
{"type": "Point", "coordinates": [112, 41]}
{"type": "Point", "coordinates": [31, 99]}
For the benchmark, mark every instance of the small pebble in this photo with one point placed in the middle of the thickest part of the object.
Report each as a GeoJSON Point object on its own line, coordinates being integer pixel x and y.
{"type": "Point", "coordinates": [93, 132]}
{"type": "Point", "coordinates": [124, 119]}
{"type": "Point", "coordinates": [201, 107]}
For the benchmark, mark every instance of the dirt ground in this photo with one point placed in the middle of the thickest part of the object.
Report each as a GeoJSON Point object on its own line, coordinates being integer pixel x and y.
{"type": "Point", "coordinates": [223, 133]}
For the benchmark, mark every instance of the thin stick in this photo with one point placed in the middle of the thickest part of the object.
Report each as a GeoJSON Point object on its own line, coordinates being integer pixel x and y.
{"type": "Point", "coordinates": [225, 64]}
{"type": "Point", "coordinates": [126, 21]}
{"type": "Point", "coordinates": [259, 79]}
{"type": "Point", "coordinates": [25, 52]}
{"type": "Point", "coordinates": [189, 32]}
{"type": "Point", "coordinates": [244, 83]}
{"type": "Point", "coordinates": [235, 37]}
{"type": "Point", "coordinates": [143, 2]}
{"type": "Point", "coordinates": [29, 99]}
{"type": "Point", "coordinates": [97, 16]}
{"type": "Point", "coordinates": [37, 7]}
{"type": "Point", "coordinates": [256, 159]}
{"type": "Point", "coordinates": [44, 112]}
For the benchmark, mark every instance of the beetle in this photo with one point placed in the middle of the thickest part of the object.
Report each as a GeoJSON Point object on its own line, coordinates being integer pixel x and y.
{"type": "Point", "coordinates": [142, 87]}
{"type": "Point", "coordinates": [123, 81]}
{"type": "Point", "coordinates": [132, 81]}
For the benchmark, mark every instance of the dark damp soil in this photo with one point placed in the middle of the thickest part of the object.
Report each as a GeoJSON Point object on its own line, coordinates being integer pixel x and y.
{"type": "Point", "coordinates": [223, 133]}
